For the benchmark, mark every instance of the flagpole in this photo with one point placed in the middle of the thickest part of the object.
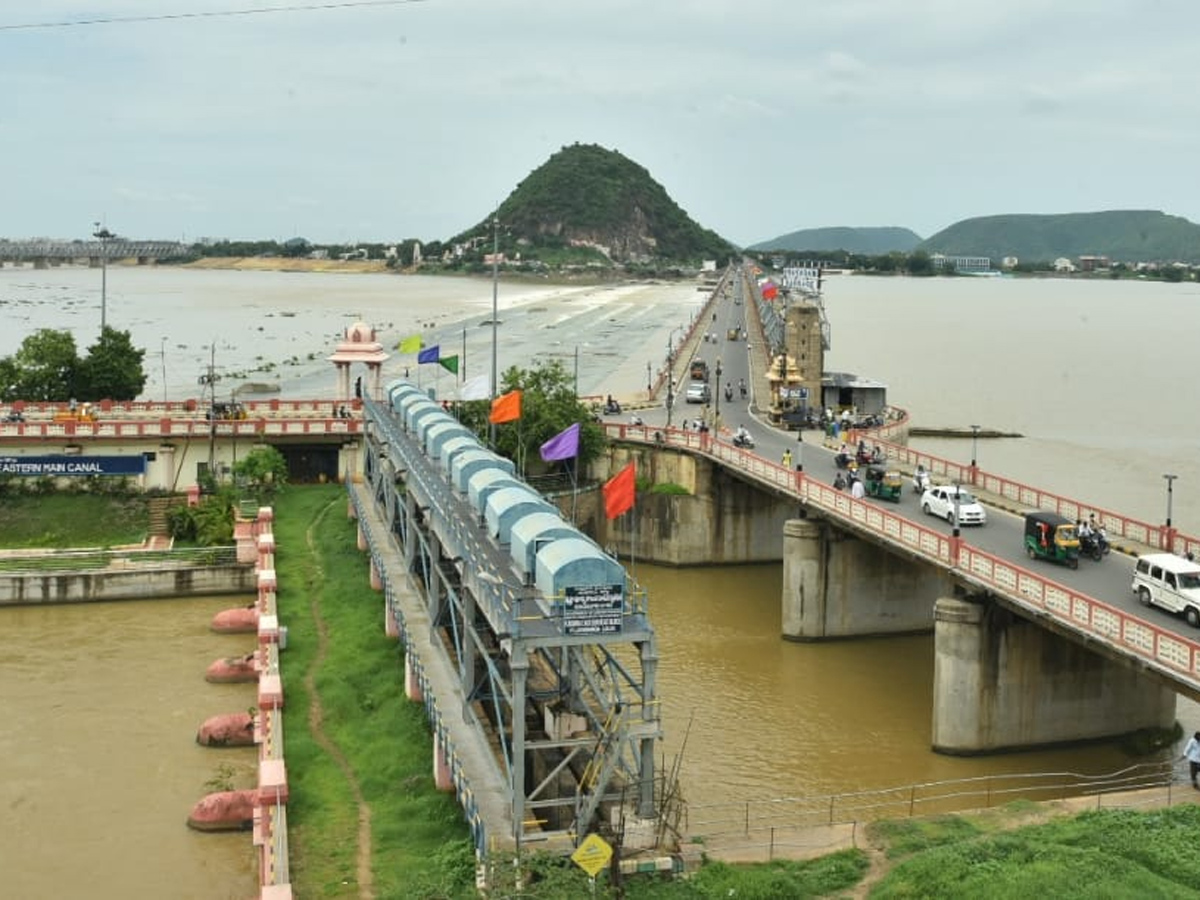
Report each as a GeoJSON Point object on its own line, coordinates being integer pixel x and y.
{"type": "Point", "coordinates": [574, 470]}
{"type": "Point", "coordinates": [462, 369]}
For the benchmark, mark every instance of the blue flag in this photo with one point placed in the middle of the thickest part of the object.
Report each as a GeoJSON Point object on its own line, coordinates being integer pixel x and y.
{"type": "Point", "coordinates": [428, 355]}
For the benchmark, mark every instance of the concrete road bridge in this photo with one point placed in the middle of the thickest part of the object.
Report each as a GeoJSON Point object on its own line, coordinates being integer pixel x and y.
{"type": "Point", "coordinates": [41, 253]}
{"type": "Point", "coordinates": [1027, 653]}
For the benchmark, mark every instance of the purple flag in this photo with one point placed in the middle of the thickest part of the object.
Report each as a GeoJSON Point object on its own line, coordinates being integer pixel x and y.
{"type": "Point", "coordinates": [563, 445]}
{"type": "Point", "coordinates": [428, 355]}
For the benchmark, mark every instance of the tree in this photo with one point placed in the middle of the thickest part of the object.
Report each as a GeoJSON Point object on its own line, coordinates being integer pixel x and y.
{"type": "Point", "coordinates": [548, 406]}
{"type": "Point", "coordinates": [112, 369]}
{"type": "Point", "coordinates": [263, 471]}
{"type": "Point", "coordinates": [44, 368]}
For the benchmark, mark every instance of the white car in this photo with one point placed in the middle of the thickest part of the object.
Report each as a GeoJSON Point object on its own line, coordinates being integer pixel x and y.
{"type": "Point", "coordinates": [697, 392]}
{"type": "Point", "coordinates": [940, 501]}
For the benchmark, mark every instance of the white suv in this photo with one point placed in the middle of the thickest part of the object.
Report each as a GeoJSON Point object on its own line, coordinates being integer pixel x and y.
{"type": "Point", "coordinates": [941, 501]}
{"type": "Point", "coordinates": [1169, 581]}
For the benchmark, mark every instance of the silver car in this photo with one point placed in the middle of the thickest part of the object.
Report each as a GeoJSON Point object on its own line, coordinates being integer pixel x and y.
{"type": "Point", "coordinates": [698, 392]}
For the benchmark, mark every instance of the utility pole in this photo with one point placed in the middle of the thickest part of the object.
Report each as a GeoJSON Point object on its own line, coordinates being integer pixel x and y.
{"type": "Point", "coordinates": [495, 313]}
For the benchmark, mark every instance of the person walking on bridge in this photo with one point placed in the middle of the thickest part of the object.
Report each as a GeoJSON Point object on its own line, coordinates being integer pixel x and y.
{"type": "Point", "coordinates": [786, 461]}
{"type": "Point", "coordinates": [1192, 754]}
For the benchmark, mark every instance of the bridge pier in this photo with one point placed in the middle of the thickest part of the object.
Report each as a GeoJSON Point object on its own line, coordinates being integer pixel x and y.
{"type": "Point", "coordinates": [837, 586]}
{"type": "Point", "coordinates": [1002, 682]}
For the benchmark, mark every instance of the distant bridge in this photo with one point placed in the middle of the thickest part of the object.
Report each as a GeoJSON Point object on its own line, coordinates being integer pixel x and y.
{"type": "Point", "coordinates": [42, 251]}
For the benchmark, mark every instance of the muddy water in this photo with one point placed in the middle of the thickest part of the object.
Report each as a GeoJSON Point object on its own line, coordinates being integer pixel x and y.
{"type": "Point", "coordinates": [762, 717]}
{"type": "Point", "coordinates": [99, 706]}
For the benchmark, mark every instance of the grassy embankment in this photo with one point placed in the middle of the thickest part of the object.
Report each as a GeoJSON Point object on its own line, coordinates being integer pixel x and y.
{"type": "Point", "coordinates": [366, 822]}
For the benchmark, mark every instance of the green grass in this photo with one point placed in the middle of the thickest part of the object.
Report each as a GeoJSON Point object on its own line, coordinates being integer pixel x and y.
{"type": "Point", "coordinates": [1104, 854]}
{"type": "Point", "coordinates": [72, 520]}
{"type": "Point", "coordinates": [383, 736]}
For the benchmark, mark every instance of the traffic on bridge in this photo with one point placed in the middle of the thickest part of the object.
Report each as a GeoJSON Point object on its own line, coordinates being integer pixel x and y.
{"type": "Point", "coordinates": [1093, 603]}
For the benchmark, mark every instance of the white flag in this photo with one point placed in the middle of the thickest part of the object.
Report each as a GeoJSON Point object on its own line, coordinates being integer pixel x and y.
{"type": "Point", "coordinates": [477, 388]}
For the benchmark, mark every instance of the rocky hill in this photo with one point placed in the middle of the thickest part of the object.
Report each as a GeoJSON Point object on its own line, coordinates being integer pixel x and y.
{"type": "Point", "coordinates": [589, 204]}
{"type": "Point", "coordinates": [868, 241]}
{"type": "Point", "coordinates": [1122, 235]}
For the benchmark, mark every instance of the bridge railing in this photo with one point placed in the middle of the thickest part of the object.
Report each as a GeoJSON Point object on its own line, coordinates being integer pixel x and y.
{"type": "Point", "coordinates": [1082, 613]}
{"type": "Point", "coordinates": [1086, 615]}
{"type": "Point", "coordinates": [1026, 495]}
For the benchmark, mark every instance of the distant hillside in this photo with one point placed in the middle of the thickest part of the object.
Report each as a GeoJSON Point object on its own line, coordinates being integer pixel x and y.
{"type": "Point", "coordinates": [1121, 235]}
{"type": "Point", "coordinates": [590, 198]}
{"type": "Point", "coordinates": [868, 241]}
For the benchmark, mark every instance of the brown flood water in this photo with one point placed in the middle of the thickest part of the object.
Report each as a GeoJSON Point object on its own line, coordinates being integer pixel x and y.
{"type": "Point", "coordinates": [773, 718]}
{"type": "Point", "coordinates": [99, 705]}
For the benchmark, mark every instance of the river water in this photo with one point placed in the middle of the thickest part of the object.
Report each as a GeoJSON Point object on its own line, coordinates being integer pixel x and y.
{"type": "Point", "coordinates": [1095, 374]}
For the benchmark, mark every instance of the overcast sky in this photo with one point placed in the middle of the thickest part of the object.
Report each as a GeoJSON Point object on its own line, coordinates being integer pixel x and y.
{"type": "Point", "coordinates": [381, 121]}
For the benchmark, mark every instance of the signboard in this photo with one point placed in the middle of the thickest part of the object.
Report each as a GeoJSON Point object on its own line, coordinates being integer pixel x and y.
{"type": "Point", "coordinates": [592, 855]}
{"type": "Point", "coordinates": [796, 393]}
{"type": "Point", "coordinates": [593, 609]}
{"type": "Point", "coordinates": [66, 466]}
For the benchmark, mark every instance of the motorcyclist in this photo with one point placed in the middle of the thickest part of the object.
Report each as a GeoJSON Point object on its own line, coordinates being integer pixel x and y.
{"type": "Point", "coordinates": [728, 392]}
{"type": "Point", "coordinates": [742, 386]}
{"type": "Point", "coordinates": [741, 436]}
{"type": "Point", "coordinates": [839, 482]}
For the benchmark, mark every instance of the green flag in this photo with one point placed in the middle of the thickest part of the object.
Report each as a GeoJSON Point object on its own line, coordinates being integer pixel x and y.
{"type": "Point", "coordinates": [449, 363]}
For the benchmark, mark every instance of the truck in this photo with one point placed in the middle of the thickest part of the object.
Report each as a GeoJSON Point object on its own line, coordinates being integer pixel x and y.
{"type": "Point", "coordinates": [699, 370]}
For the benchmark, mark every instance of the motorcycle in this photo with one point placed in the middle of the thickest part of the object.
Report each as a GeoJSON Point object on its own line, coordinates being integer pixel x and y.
{"type": "Point", "coordinates": [612, 408]}
{"type": "Point", "coordinates": [921, 481]}
{"type": "Point", "coordinates": [1094, 544]}
{"type": "Point", "coordinates": [744, 441]}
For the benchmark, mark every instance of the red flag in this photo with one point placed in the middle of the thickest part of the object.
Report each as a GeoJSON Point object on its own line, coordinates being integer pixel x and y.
{"type": "Point", "coordinates": [506, 408]}
{"type": "Point", "coordinates": [619, 491]}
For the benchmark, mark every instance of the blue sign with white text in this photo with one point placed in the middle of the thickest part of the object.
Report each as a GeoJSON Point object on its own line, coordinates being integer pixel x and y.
{"type": "Point", "coordinates": [66, 466]}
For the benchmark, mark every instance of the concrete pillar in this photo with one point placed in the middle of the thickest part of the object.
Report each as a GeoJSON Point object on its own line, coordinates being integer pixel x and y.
{"type": "Point", "coordinates": [836, 586]}
{"type": "Point", "coordinates": [443, 780]}
{"type": "Point", "coordinates": [391, 627]}
{"type": "Point", "coordinates": [362, 538]}
{"type": "Point", "coordinates": [803, 612]}
{"type": "Point", "coordinates": [351, 512]}
{"type": "Point", "coordinates": [376, 581]}
{"type": "Point", "coordinates": [1006, 683]}
{"type": "Point", "coordinates": [412, 684]}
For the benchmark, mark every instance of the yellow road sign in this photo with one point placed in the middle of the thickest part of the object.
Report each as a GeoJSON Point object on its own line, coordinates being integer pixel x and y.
{"type": "Point", "coordinates": [592, 855]}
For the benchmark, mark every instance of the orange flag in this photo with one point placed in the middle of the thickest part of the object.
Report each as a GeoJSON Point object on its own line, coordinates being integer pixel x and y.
{"type": "Point", "coordinates": [506, 408]}
{"type": "Point", "coordinates": [619, 491]}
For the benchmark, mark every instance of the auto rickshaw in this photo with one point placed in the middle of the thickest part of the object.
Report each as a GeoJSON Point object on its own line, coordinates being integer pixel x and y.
{"type": "Point", "coordinates": [1051, 536]}
{"type": "Point", "coordinates": [885, 484]}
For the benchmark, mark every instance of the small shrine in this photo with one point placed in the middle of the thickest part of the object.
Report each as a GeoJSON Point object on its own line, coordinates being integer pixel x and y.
{"type": "Point", "coordinates": [359, 345]}
{"type": "Point", "coordinates": [789, 391]}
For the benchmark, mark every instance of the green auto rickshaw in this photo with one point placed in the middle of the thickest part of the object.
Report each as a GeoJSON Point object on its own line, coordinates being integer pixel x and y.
{"type": "Point", "coordinates": [885, 484]}
{"type": "Point", "coordinates": [1051, 536]}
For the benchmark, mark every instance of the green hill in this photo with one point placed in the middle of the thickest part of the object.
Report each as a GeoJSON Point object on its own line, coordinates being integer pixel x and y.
{"type": "Point", "coordinates": [868, 241]}
{"type": "Point", "coordinates": [1122, 235]}
{"type": "Point", "coordinates": [586, 203]}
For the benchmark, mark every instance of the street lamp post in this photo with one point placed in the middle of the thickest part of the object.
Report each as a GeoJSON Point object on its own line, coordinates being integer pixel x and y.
{"type": "Point", "coordinates": [495, 313]}
{"type": "Point", "coordinates": [974, 444]}
{"type": "Point", "coordinates": [717, 420]}
{"type": "Point", "coordinates": [1170, 536]}
{"type": "Point", "coordinates": [103, 234]}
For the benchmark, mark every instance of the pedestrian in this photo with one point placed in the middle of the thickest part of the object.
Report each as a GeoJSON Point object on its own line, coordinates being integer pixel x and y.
{"type": "Point", "coordinates": [787, 458]}
{"type": "Point", "coordinates": [1192, 754]}
{"type": "Point", "coordinates": [857, 491]}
